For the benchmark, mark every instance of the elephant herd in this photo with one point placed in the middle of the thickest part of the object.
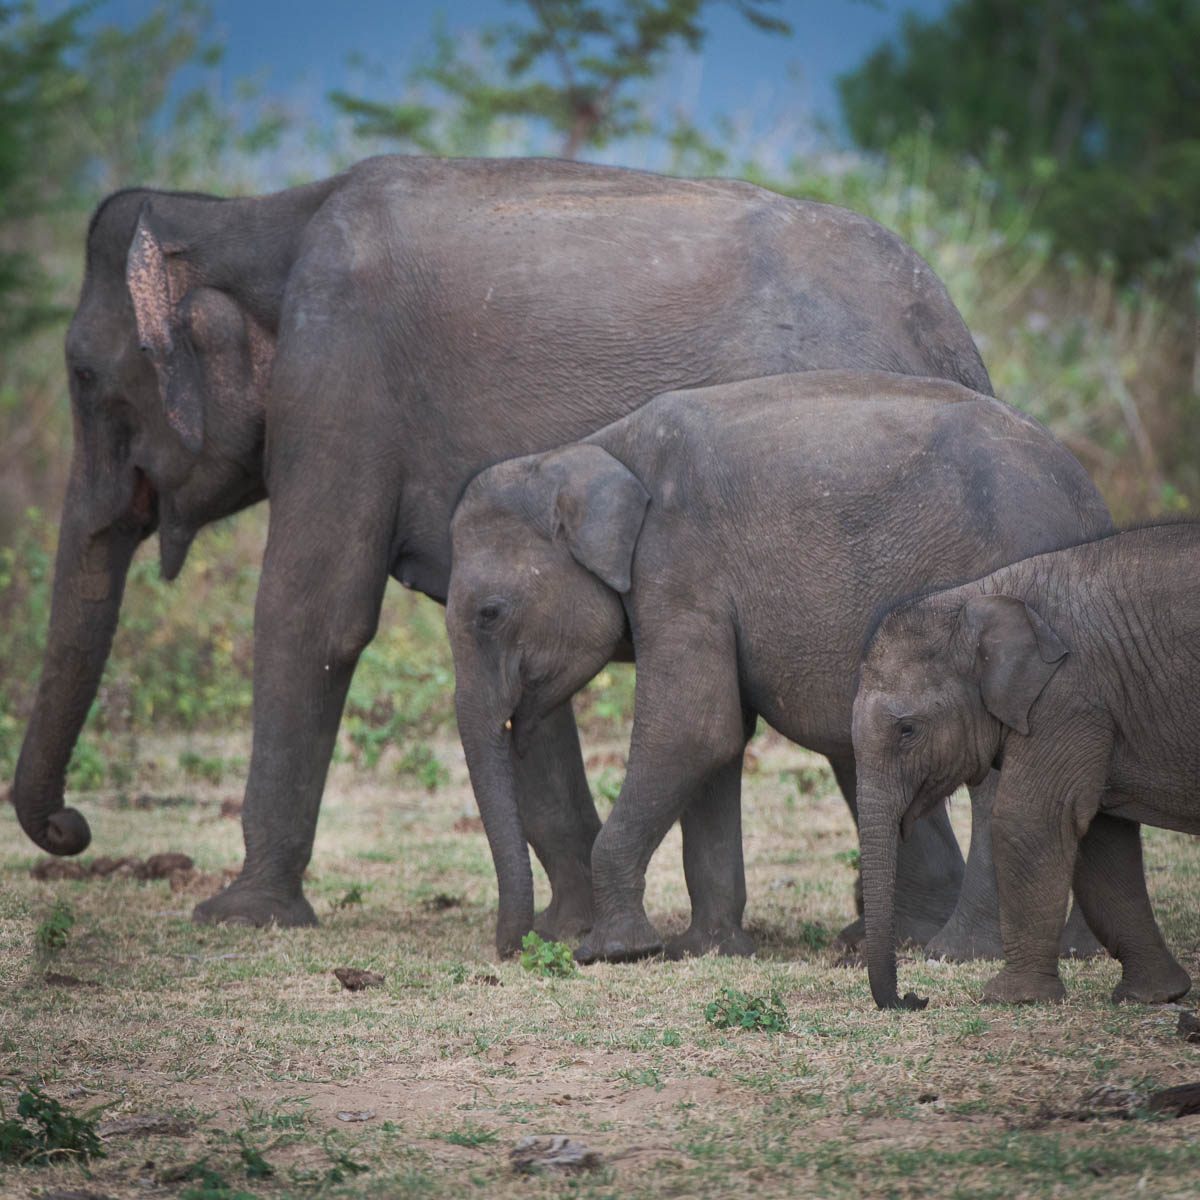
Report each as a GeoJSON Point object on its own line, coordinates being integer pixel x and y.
{"type": "Point", "coordinates": [607, 414]}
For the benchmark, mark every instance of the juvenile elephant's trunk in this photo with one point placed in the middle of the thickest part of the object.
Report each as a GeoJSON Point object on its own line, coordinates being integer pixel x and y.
{"type": "Point", "coordinates": [879, 812]}
{"type": "Point", "coordinates": [489, 759]}
{"type": "Point", "coordinates": [89, 580]}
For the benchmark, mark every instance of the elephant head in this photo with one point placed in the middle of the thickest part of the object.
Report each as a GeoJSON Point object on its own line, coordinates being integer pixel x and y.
{"type": "Point", "coordinates": [541, 554]}
{"type": "Point", "coordinates": [167, 368]}
{"type": "Point", "coordinates": [944, 682]}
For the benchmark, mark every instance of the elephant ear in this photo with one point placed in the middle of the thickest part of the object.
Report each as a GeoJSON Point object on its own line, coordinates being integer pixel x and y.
{"type": "Point", "coordinates": [598, 506]}
{"type": "Point", "coordinates": [1016, 653]}
{"type": "Point", "coordinates": [156, 286]}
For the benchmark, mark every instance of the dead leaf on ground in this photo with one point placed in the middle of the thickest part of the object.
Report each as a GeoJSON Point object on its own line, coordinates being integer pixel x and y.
{"type": "Point", "coordinates": [54, 979]}
{"type": "Point", "coordinates": [141, 1126]}
{"type": "Point", "coordinates": [354, 980]}
{"type": "Point", "coordinates": [555, 1153]}
{"type": "Point", "coordinates": [355, 1116]}
{"type": "Point", "coordinates": [468, 825]}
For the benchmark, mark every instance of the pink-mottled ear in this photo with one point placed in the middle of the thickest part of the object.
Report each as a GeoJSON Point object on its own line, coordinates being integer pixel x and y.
{"type": "Point", "coordinates": [1016, 653]}
{"type": "Point", "coordinates": [156, 305]}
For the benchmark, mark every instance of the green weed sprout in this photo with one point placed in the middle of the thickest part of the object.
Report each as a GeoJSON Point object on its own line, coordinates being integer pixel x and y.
{"type": "Point", "coordinates": [43, 1129]}
{"type": "Point", "coordinates": [735, 1010]}
{"type": "Point", "coordinates": [547, 959]}
{"type": "Point", "coordinates": [53, 932]}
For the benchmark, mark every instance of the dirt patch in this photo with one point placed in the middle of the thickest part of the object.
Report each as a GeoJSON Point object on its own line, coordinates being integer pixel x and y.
{"type": "Point", "coordinates": [157, 866]}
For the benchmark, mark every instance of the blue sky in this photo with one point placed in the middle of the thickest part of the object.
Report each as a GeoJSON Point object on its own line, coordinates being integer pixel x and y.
{"type": "Point", "coordinates": [774, 87]}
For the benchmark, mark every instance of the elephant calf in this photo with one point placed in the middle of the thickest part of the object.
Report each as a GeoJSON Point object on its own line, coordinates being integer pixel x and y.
{"type": "Point", "coordinates": [1078, 672]}
{"type": "Point", "coordinates": [740, 537]}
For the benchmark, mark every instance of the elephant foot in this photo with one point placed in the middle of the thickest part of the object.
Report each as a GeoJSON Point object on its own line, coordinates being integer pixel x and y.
{"type": "Point", "coordinates": [1078, 941]}
{"type": "Point", "coordinates": [245, 904]}
{"type": "Point", "coordinates": [1009, 987]}
{"type": "Point", "coordinates": [702, 939]}
{"type": "Point", "coordinates": [566, 918]}
{"type": "Point", "coordinates": [1167, 983]}
{"type": "Point", "coordinates": [622, 940]}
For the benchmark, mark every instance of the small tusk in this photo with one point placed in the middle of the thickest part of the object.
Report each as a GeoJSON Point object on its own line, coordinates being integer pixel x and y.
{"type": "Point", "coordinates": [508, 723]}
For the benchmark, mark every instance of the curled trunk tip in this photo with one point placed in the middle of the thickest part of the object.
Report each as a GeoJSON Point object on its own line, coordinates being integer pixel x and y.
{"type": "Point", "coordinates": [65, 832]}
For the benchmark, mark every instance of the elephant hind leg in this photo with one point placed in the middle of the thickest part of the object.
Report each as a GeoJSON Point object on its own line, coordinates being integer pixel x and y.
{"type": "Point", "coordinates": [1110, 882]}
{"type": "Point", "coordinates": [714, 868]}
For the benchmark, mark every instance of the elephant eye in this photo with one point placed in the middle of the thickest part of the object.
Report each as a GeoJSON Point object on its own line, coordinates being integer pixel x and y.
{"type": "Point", "coordinates": [489, 613]}
{"type": "Point", "coordinates": [84, 376]}
{"type": "Point", "coordinates": [907, 729]}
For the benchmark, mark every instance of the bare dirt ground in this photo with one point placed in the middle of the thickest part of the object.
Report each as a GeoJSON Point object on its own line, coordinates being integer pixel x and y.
{"type": "Point", "coordinates": [272, 1079]}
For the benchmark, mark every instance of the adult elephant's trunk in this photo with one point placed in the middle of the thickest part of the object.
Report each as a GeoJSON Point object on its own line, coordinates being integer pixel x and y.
{"type": "Point", "coordinates": [488, 747]}
{"type": "Point", "coordinates": [880, 808]}
{"type": "Point", "coordinates": [89, 580]}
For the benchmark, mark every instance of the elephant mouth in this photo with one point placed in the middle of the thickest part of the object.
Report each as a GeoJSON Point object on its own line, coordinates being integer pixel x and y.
{"type": "Point", "coordinates": [144, 505]}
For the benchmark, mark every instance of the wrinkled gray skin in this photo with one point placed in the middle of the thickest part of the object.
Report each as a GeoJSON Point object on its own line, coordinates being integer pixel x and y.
{"type": "Point", "coordinates": [740, 537]}
{"type": "Point", "coordinates": [1078, 671]}
{"type": "Point", "coordinates": [358, 348]}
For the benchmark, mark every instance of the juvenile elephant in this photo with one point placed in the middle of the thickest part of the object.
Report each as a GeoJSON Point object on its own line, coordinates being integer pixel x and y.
{"type": "Point", "coordinates": [1076, 671]}
{"type": "Point", "coordinates": [358, 348]}
{"type": "Point", "coordinates": [740, 537]}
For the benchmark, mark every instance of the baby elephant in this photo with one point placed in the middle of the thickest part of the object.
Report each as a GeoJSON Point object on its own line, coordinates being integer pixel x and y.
{"type": "Point", "coordinates": [1079, 673]}
{"type": "Point", "coordinates": [740, 537]}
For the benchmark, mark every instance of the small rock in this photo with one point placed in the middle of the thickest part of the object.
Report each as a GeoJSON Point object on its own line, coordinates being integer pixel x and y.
{"type": "Point", "coordinates": [355, 1116]}
{"type": "Point", "coordinates": [1188, 1027]}
{"type": "Point", "coordinates": [555, 1153]}
{"type": "Point", "coordinates": [354, 980]}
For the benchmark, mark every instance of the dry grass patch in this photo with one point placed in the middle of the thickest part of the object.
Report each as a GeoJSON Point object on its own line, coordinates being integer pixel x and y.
{"type": "Point", "coordinates": [263, 1060]}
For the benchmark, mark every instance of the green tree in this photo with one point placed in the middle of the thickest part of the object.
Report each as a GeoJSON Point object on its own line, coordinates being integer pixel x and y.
{"type": "Point", "coordinates": [37, 87]}
{"type": "Point", "coordinates": [1091, 106]}
{"type": "Point", "coordinates": [568, 65]}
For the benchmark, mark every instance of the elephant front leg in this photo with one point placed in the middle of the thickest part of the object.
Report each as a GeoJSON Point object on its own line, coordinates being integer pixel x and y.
{"type": "Point", "coordinates": [973, 930]}
{"type": "Point", "coordinates": [1110, 881]}
{"type": "Point", "coordinates": [714, 869]}
{"type": "Point", "coordinates": [314, 614]}
{"type": "Point", "coordinates": [1045, 795]}
{"type": "Point", "coordinates": [560, 821]}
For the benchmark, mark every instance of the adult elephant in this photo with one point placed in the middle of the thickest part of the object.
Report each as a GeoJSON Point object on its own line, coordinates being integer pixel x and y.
{"type": "Point", "coordinates": [357, 349]}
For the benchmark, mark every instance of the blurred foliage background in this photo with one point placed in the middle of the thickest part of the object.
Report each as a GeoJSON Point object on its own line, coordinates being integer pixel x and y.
{"type": "Point", "coordinates": [1043, 155]}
